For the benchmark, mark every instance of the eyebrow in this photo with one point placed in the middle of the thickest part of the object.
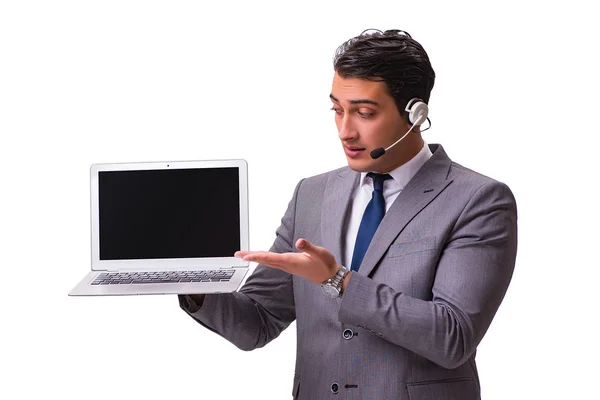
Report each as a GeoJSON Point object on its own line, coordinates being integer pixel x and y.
{"type": "Point", "coordinates": [359, 101]}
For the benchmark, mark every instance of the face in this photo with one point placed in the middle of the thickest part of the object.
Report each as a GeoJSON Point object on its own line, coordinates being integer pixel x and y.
{"type": "Point", "coordinates": [367, 118]}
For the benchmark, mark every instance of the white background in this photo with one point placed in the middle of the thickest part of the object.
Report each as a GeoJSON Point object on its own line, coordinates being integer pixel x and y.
{"type": "Point", "coordinates": [84, 82]}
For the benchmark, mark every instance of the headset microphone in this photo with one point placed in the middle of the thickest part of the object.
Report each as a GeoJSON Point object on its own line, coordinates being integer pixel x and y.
{"type": "Point", "coordinates": [375, 154]}
{"type": "Point", "coordinates": [417, 114]}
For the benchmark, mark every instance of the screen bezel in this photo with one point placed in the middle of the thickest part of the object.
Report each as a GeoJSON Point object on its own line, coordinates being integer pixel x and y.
{"type": "Point", "coordinates": [168, 263]}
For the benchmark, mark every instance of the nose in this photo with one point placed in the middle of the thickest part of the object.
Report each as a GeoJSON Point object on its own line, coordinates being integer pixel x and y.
{"type": "Point", "coordinates": [346, 130]}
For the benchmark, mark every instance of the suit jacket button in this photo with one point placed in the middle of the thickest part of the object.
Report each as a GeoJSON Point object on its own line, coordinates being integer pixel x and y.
{"type": "Point", "coordinates": [335, 387]}
{"type": "Point", "coordinates": [348, 334]}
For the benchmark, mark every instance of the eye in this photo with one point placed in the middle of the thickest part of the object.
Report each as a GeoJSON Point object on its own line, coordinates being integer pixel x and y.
{"type": "Point", "coordinates": [337, 110]}
{"type": "Point", "coordinates": [365, 114]}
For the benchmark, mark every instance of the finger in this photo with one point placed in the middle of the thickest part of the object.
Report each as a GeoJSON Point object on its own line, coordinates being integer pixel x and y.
{"type": "Point", "coordinates": [308, 247]}
{"type": "Point", "coordinates": [270, 259]}
{"type": "Point", "coordinates": [242, 253]}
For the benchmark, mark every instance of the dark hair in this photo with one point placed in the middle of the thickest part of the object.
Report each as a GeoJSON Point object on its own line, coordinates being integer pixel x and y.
{"type": "Point", "coordinates": [392, 57]}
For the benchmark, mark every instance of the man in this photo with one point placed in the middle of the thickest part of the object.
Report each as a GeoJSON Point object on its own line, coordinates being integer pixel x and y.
{"type": "Point", "coordinates": [394, 277]}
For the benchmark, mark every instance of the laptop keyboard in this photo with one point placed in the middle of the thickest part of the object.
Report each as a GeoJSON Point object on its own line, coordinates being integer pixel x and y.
{"type": "Point", "coordinates": [122, 278]}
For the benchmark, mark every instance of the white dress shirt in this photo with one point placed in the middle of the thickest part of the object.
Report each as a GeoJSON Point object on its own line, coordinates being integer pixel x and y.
{"type": "Point", "coordinates": [391, 189]}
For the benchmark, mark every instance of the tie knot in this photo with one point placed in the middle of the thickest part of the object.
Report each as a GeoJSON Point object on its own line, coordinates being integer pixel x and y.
{"type": "Point", "coordinates": [378, 180]}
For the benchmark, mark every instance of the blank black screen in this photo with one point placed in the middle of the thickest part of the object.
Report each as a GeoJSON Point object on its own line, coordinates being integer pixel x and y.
{"type": "Point", "coordinates": [170, 213]}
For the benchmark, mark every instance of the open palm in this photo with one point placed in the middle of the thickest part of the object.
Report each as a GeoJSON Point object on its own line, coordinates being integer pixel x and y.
{"type": "Point", "coordinates": [314, 263]}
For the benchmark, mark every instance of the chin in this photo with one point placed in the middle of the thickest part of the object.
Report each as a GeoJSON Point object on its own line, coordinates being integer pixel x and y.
{"type": "Point", "coordinates": [361, 165]}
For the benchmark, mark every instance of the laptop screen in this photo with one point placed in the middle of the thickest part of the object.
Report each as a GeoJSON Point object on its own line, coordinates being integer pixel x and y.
{"type": "Point", "coordinates": [168, 213]}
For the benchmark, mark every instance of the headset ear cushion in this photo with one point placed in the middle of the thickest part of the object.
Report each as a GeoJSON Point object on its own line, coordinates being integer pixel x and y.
{"type": "Point", "coordinates": [417, 111]}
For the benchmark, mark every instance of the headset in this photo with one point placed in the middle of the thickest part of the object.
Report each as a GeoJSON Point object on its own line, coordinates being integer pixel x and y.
{"type": "Point", "coordinates": [417, 112]}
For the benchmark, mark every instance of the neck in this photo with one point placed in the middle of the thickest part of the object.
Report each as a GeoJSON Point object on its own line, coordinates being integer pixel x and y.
{"type": "Point", "coordinates": [403, 152]}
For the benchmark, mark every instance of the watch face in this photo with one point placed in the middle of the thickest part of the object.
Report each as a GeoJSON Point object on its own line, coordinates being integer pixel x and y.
{"type": "Point", "coordinates": [330, 291]}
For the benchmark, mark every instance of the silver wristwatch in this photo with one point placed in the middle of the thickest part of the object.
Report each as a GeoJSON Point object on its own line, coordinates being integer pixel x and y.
{"type": "Point", "coordinates": [333, 286]}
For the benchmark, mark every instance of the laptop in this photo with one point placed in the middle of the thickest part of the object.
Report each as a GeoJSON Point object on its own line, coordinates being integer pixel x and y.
{"type": "Point", "coordinates": [167, 228]}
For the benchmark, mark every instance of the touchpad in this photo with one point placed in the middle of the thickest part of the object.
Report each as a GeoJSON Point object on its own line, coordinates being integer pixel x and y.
{"type": "Point", "coordinates": [150, 288]}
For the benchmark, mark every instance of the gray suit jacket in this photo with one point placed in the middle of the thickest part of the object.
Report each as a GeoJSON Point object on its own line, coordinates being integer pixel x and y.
{"type": "Point", "coordinates": [410, 320]}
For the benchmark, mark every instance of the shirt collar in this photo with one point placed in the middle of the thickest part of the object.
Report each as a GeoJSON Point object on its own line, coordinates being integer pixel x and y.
{"type": "Point", "coordinates": [404, 173]}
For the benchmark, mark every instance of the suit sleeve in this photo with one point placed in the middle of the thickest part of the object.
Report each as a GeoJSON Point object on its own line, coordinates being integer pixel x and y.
{"type": "Point", "coordinates": [262, 308]}
{"type": "Point", "coordinates": [472, 277]}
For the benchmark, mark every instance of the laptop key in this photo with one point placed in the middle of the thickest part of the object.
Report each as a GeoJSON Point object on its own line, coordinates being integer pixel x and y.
{"type": "Point", "coordinates": [125, 278]}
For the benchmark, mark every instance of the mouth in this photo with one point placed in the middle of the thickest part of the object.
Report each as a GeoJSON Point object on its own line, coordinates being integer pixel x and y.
{"type": "Point", "coordinates": [353, 151]}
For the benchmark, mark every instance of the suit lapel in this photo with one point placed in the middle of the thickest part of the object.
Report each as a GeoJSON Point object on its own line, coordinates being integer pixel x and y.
{"type": "Point", "coordinates": [336, 201]}
{"type": "Point", "coordinates": [423, 188]}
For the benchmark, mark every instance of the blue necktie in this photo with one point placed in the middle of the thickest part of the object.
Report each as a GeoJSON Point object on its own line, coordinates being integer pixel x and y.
{"type": "Point", "coordinates": [370, 221]}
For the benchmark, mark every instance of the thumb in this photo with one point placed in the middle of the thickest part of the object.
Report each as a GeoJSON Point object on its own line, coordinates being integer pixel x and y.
{"type": "Point", "coordinates": [308, 247]}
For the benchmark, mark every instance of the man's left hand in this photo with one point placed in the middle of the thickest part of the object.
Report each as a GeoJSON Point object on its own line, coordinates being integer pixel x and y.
{"type": "Point", "coordinates": [315, 263]}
